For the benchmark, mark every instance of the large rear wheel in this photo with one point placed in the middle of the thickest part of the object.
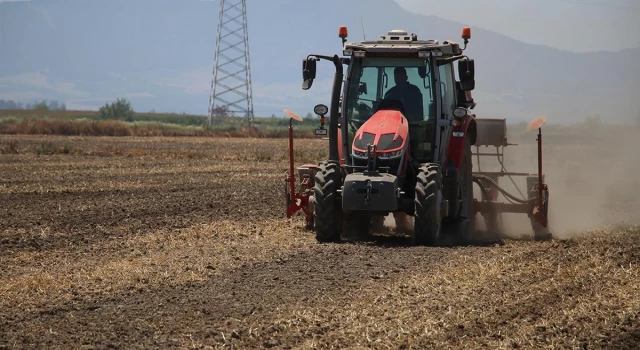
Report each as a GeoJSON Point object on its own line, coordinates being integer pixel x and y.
{"type": "Point", "coordinates": [458, 227]}
{"type": "Point", "coordinates": [327, 208]}
{"type": "Point", "coordinates": [466, 225]}
{"type": "Point", "coordinates": [428, 199]}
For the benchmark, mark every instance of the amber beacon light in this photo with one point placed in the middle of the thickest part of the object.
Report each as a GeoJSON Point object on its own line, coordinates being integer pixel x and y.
{"type": "Point", "coordinates": [466, 33]}
{"type": "Point", "coordinates": [343, 32]}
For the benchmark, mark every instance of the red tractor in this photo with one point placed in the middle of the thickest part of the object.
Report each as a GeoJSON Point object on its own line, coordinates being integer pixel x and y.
{"type": "Point", "coordinates": [400, 141]}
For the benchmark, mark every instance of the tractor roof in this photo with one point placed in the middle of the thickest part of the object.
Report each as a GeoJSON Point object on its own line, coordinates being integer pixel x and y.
{"type": "Point", "coordinates": [404, 44]}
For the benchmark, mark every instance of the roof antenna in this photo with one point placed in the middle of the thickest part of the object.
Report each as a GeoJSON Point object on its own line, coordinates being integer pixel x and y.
{"type": "Point", "coordinates": [364, 37]}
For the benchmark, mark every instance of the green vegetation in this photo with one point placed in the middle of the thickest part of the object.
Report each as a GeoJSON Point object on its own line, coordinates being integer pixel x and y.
{"type": "Point", "coordinates": [91, 123]}
{"type": "Point", "coordinates": [41, 106]}
{"type": "Point", "coordinates": [119, 119]}
{"type": "Point", "coordinates": [119, 110]}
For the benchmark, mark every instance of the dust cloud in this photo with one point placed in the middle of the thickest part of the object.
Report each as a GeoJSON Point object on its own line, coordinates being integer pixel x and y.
{"type": "Point", "coordinates": [593, 174]}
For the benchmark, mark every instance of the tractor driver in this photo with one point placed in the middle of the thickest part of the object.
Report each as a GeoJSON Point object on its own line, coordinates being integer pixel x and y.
{"type": "Point", "coordinates": [407, 93]}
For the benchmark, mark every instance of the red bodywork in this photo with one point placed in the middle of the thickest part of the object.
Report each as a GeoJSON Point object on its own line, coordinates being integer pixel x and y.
{"type": "Point", "coordinates": [456, 143]}
{"type": "Point", "coordinates": [298, 200]}
{"type": "Point", "coordinates": [381, 123]}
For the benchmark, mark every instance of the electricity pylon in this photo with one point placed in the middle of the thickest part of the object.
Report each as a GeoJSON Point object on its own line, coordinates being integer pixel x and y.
{"type": "Point", "coordinates": [231, 82]}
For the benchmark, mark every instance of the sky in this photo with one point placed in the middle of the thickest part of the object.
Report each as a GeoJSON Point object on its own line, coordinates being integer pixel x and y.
{"type": "Point", "coordinates": [574, 25]}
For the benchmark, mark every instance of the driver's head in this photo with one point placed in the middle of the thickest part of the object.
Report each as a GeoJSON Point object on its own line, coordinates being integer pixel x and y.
{"type": "Point", "coordinates": [400, 75]}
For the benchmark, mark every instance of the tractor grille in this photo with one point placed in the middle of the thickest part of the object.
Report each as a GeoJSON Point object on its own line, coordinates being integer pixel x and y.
{"type": "Point", "coordinates": [392, 164]}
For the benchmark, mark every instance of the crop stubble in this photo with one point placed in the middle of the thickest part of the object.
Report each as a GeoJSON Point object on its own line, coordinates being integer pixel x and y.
{"type": "Point", "coordinates": [181, 242]}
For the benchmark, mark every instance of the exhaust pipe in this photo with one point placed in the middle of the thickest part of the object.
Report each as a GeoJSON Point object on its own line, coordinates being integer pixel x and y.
{"type": "Point", "coordinates": [333, 112]}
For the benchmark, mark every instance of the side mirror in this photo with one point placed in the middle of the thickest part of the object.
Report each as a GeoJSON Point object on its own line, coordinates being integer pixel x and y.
{"type": "Point", "coordinates": [464, 97]}
{"type": "Point", "coordinates": [466, 72]}
{"type": "Point", "coordinates": [308, 73]}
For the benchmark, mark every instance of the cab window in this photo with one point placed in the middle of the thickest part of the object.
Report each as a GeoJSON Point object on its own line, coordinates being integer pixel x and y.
{"type": "Point", "coordinates": [448, 90]}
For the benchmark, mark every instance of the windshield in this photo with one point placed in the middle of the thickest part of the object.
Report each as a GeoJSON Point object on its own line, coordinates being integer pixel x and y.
{"type": "Point", "coordinates": [400, 83]}
{"type": "Point", "coordinates": [403, 82]}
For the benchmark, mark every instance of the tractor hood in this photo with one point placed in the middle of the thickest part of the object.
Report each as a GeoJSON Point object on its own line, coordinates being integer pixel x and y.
{"type": "Point", "coordinates": [387, 129]}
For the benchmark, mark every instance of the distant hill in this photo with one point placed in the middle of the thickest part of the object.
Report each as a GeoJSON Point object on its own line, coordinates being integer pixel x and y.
{"type": "Point", "coordinates": [159, 54]}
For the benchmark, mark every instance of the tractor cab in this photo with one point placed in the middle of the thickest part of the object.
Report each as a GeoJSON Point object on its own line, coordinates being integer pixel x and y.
{"type": "Point", "coordinates": [396, 84]}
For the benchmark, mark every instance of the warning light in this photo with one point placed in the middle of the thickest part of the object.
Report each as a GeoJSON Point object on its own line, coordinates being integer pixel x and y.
{"type": "Point", "coordinates": [466, 33]}
{"type": "Point", "coordinates": [343, 32]}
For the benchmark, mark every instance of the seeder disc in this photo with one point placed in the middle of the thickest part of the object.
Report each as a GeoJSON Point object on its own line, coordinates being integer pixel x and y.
{"type": "Point", "coordinates": [293, 115]}
{"type": "Point", "coordinates": [537, 123]}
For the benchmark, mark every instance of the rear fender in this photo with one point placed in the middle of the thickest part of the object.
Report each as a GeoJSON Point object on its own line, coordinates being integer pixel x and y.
{"type": "Point", "coordinates": [456, 143]}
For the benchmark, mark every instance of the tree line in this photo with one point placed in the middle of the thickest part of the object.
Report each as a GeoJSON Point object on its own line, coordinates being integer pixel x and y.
{"type": "Point", "coordinates": [51, 105]}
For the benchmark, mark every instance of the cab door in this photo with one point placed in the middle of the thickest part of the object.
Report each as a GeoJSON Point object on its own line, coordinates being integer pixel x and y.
{"type": "Point", "coordinates": [447, 91]}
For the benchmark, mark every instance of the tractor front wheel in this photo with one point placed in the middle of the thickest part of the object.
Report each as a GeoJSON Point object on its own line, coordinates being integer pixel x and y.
{"type": "Point", "coordinates": [428, 200]}
{"type": "Point", "coordinates": [327, 207]}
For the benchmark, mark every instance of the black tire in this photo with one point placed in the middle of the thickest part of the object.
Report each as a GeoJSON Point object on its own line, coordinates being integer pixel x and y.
{"type": "Point", "coordinates": [466, 226]}
{"type": "Point", "coordinates": [467, 181]}
{"type": "Point", "coordinates": [459, 227]}
{"type": "Point", "coordinates": [327, 209]}
{"type": "Point", "coordinates": [427, 202]}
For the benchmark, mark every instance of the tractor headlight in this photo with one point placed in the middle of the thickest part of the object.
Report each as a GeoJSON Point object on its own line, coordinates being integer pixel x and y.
{"type": "Point", "coordinates": [460, 112]}
{"type": "Point", "coordinates": [390, 155]}
{"type": "Point", "coordinates": [358, 154]}
{"type": "Point", "coordinates": [385, 156]}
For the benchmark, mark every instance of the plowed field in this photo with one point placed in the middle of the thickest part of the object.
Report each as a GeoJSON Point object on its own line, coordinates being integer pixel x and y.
{"type": "Point", "coordinates": [182, 243]}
